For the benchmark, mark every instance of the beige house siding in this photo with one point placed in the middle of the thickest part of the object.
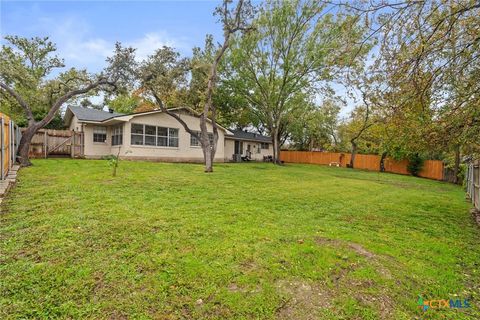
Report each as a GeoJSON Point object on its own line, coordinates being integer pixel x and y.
{"type": "Point", "coordinates": [96, 149]}
{"type": "Point", "coordinates": [254, 147]}
{"type": "Point", "coordinates": [229, 149]}
{"type": "Point", "coordinates": [74, 125]}
{"type": "Point", "coordinates": [183, 153]}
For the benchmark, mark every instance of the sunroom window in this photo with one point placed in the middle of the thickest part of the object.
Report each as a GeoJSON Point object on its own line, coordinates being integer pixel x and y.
{"type": "Point", "coordinates": [154, 136]}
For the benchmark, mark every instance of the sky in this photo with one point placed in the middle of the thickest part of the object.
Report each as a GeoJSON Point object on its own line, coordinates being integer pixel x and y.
{"type": "Point", "coordinates": [85, 32]}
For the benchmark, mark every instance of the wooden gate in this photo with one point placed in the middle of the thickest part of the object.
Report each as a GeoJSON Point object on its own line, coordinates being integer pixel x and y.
{"type": "Point", "coordinates": [57, 143]}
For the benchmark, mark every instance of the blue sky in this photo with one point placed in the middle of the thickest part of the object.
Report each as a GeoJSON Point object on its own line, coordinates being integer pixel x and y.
{"type": "Point", "coordinates": [85, 31]}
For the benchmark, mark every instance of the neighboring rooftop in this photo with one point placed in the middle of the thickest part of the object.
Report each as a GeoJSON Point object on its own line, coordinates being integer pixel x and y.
{"type": "Point", "coordinates": [245, 135]}
{"type": "Point", "coordinates": [88, 114]}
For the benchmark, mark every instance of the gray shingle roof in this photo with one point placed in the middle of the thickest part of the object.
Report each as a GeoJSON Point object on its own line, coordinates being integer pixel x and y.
{"type": "Point", "coordinates": [92, 114]}
{"type": "Point", "coordinates": [240, 134]}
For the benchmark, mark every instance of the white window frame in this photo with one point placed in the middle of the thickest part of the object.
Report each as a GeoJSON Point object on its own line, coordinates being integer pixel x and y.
{"type": "Point", "coordinates": [170, 136]}
{"type": "Point", "coordinates": [99, 130]}
{"type": "Point", "coordinates": [194, 142]}
{"type": "Point", "coordinates": [117, 135]}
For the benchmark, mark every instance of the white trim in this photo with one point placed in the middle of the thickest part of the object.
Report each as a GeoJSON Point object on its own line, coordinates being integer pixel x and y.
{"type": "Point", "coordinates": [153, 147]}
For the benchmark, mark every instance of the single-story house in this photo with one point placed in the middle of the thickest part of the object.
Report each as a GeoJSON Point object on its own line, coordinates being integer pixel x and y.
{"type": "Point", "coordinates": [155, 135]}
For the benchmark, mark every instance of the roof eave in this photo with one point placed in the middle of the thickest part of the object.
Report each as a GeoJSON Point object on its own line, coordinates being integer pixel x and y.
{"type": "Point", "coordinates": [247, 139]}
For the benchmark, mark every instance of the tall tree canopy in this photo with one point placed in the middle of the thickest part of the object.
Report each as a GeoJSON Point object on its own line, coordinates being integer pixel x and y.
{"type": "Point", "coordinates": [164, 75]}
{"type": "Point", "coordinates": [295, 48]}
{"type": "Point", "coordinates": [29, 78]}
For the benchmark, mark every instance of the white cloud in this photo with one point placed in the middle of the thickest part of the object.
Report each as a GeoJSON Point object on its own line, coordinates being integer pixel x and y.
{"type": "Point", "coordinates": [151, 41]}
{"type": "Point", "coordinates": [78, 45]}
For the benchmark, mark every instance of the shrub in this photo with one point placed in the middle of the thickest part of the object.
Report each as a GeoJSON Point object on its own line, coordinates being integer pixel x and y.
{"type": "Point", "coordinates": [415, 164]}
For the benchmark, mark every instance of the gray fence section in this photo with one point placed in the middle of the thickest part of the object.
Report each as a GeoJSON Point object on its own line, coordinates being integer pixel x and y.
{"type": "Point", "coordinates": [473, 183]}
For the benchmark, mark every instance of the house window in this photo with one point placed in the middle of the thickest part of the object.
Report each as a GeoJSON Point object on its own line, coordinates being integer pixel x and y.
{"type": "Point", "coordinates": [259, 148]}
{"type": "Point", "coordinates": [117, 135]}
{"type": "Point", "coordinates": [99, 134]}
{"type": "Point", "coordinates": [264, 145]}
{"type": "Point", "coordinates": [150, 135]}
{"type": "Point", "coordinates": [154, 136]}
{"type": "Point", "coordinates": [194, 141]}
{"type": "Point", "coordinates": [137, 134]}
{"type": "Point", "coordinates": [167, 137]}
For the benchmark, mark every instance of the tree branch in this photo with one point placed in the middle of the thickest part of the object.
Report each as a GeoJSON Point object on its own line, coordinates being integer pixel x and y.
{"type": "Point", "coordinates": [20, 101]}
{"type": "Point", "coordinates": [60, 101]}
{"type": "Point", "coordinates": [174, 115]}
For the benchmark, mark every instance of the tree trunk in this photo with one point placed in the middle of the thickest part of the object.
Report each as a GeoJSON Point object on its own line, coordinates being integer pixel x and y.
{"type": "Point", "coordinates": [456, 167]}
{"type": "Point", "coordinates": [353, 154]}
{"type": "Point", "coordinates": [276, 146]}
{"type": "Point", "coordinates": [24, 145]}
{"type": "Point", "coordinates": [382, 162]}
{"type": "Point", "coordinates": [207, 155]}
{"type": "Point", "coordinates": [279, 161]}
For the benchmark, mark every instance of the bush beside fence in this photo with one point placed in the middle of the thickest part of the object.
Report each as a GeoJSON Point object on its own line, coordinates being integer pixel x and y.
{"type": "Point", "coordinates": [432, 169]}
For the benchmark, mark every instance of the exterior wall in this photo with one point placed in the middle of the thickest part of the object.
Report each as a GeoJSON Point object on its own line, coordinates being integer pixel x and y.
{"type": "Point", "coordinates": [74, 124]}
{"type": "Point", "coordinates": [183, 153]}
{"type": "Point", "coordinates": [96, 149]}
{"type": "Point", "coordinates": [254, 147]}
{"type": "Point", "coordinates": [229, 149]}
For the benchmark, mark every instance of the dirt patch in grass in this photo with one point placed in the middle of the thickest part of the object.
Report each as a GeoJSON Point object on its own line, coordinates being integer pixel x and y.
{"type": "Point", "coordinates": [345, 284]}
{"type": "Point", "coordinates": [234, 287]}
{"type": "Point", "coordinates": [373, 259]}
{"type": "Point", "coordinates": [381, 302]}
{"type": "Point", "coordinates": [303, 300]}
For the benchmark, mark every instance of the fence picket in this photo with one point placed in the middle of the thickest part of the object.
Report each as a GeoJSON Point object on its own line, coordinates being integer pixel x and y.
{"type": "Point", "coordinates": [56, 142]}
{"type": "Point", "coordinates": [8, 144]}
{"type": "Point", "coordinates": [432, 169]}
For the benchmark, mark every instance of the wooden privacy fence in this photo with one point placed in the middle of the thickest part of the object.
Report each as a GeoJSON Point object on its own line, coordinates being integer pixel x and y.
{"type": "Point", "coordinates": [473, 183]}
{"type": "Point", "coordinates": [432, 169]}
{"type": "Point", "coordinates": [50, 142]}
{"type": "Point", "coordinates": [9, 139]}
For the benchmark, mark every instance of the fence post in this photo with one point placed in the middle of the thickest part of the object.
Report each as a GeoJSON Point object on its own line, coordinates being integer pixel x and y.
{"type": "Point", "coordinates": [472, 182]}
{"type": "Point", "coordinates": [2, 145]}
{"type": "Point", "coordinates": [469, 180]}
{"type": "Point", "coordinates": [72, 146]}
{"type": "Point", "coordinates": [12, 146]}
{"type": "Point", "coordinates": [477, 189]}
{"type": "Point", "coordinates": [45, 144]}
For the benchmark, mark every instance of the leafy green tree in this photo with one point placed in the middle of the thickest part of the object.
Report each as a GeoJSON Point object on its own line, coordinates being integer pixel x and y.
{"type": "Point", "coordinates": [432, 46]}
{"type": "Point", "coordinates": [316, 127]}
{"type": "Point", "coordinates": [295, 48]}
{"type": "Point", "coordinates": [165, 73]}
{"type": "Point", "coordinates": [124, 103]}
{"type": "Point", "coordinates": [27, 76]}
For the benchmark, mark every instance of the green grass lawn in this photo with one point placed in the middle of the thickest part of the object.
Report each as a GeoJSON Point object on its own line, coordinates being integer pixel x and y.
{"type": "Point", "coordinates": [250, 241]}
